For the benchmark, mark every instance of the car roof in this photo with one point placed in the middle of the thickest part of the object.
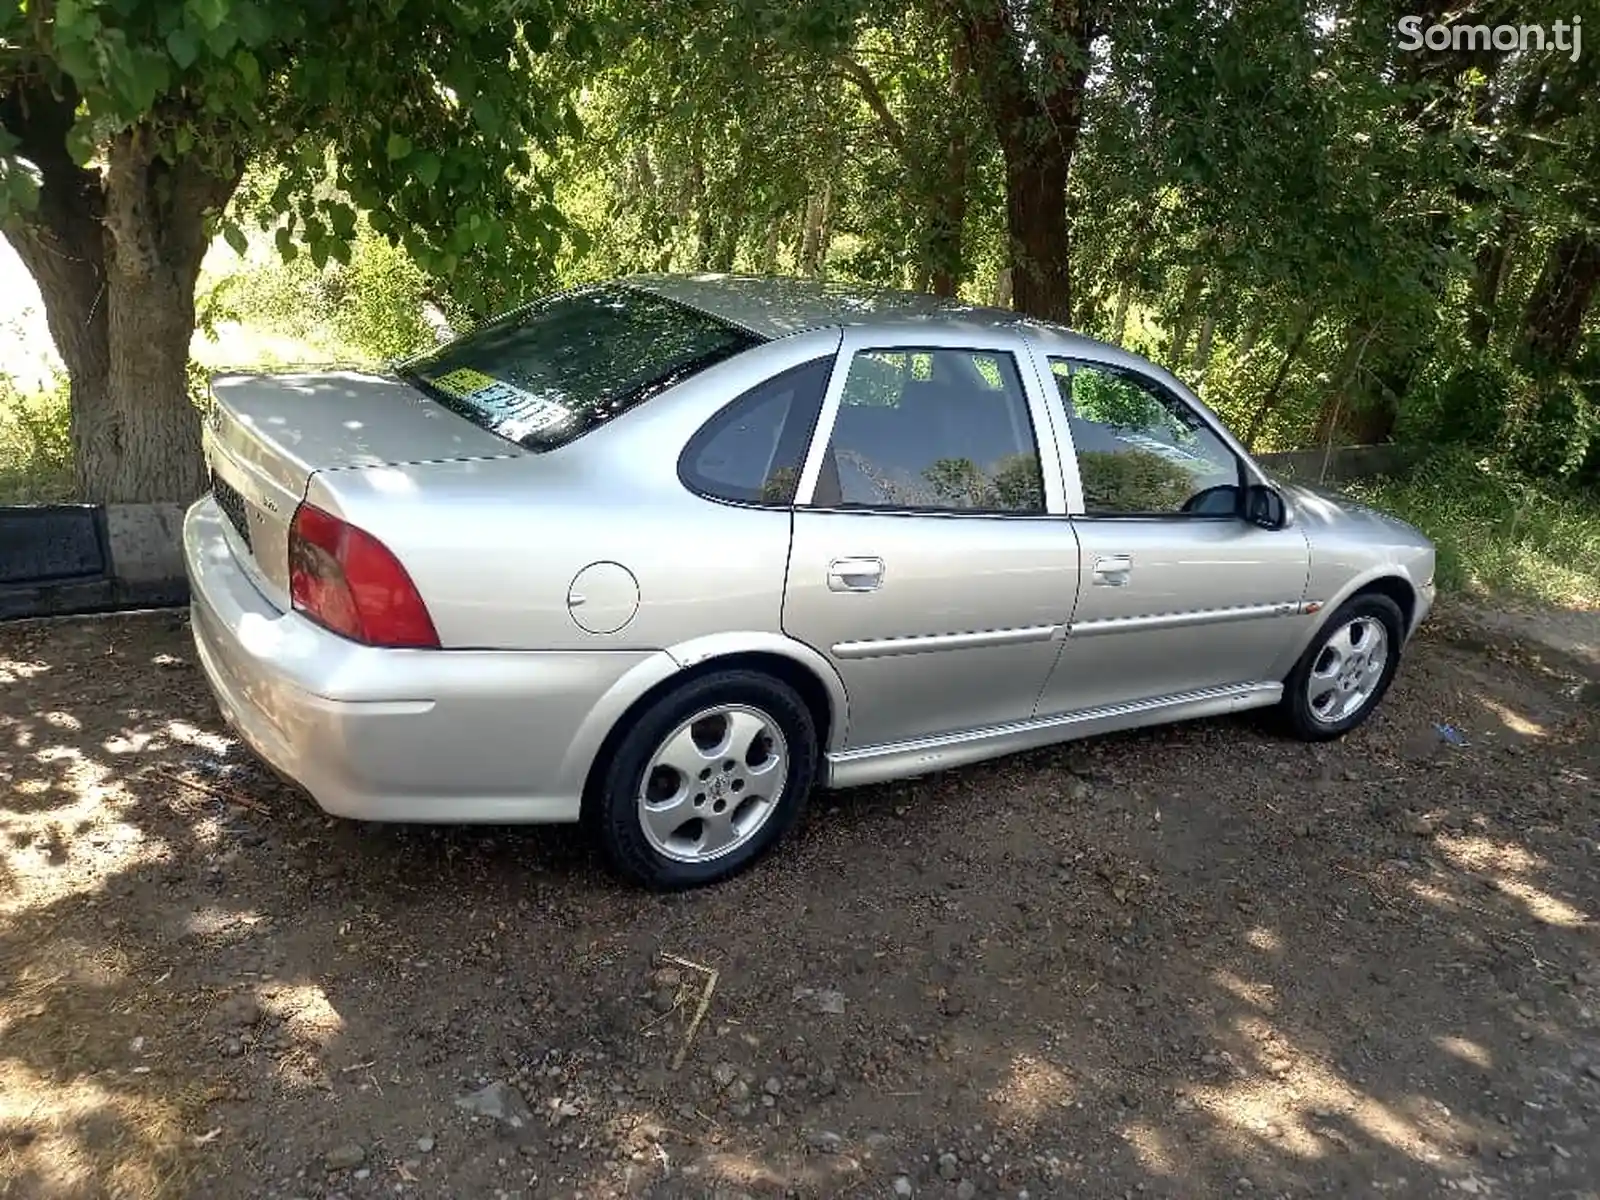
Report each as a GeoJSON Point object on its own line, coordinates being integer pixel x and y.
{"type": "Point", "coordinates": [776, 306]}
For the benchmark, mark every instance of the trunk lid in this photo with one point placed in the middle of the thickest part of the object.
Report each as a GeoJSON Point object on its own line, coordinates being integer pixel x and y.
{"type": "Point", "coordinates": [266, 435]}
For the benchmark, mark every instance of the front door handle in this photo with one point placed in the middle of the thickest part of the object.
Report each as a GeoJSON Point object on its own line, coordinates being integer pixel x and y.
{"type": "Point", "coordinates": [1113, 570]}
{"type": "Point", "coordinates": [855, 574]}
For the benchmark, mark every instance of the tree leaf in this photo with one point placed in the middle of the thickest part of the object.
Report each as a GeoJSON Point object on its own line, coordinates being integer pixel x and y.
{"type": "Point", "coordinates": [235, 238]}
{"type": "Point", "coordinates": [425, 167]}
{"type": "Point", "coordinates": [183, 46]}
{"type": "Point", "coordinates": [210, 13]}
{"type": "Point", "coordinates": [398, 146]}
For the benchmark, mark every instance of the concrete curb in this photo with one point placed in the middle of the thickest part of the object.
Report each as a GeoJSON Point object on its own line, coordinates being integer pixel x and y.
{"type": "Point", "coordinates": [80, 558]}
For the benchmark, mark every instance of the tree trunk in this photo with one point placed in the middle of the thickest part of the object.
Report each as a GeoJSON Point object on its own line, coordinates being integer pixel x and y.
{"type": "Point", "coordinates": [1187, 304]}
{"type": "Point", "coordinates": [702, 213]}
{"type": "Point", "coordinates": [1037, 233]}
{"type": "Point", "coordinates": [728, 238]}
{"type": "Point", "coordinates": [1274, 393]}
{"type": "Point", "coordinates": [943, 249]}
{"type": "Point", "coordinates": [116, 255]}
{"type": "Point", "coordinates": [1552, 322]}
{"type": "Point", "coordinates": [1251, 334]}
{"type": "Point", "coordinates": [1341, 418]}
{"type": "Point", "coordinates": [1037, 112]}
{"type": "Point", "coordinates": [1002, 288]}
{"type": "Point", "coordinates": [1489, 273]}
{"type": "Point", "coordinates": [825, 232]}
{"type": "Point", "coordinates": [811, 238]}
{"type": "Point", "coordinates": [769, 248]}
{"type": "Point", "coordinates": [1119, 319]}
{"type": "Point", "coordinates": [1202, 348]}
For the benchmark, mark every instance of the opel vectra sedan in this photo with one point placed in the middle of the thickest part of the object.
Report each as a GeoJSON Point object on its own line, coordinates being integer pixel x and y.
{"type": "Point", "coordinates": [662, 554]}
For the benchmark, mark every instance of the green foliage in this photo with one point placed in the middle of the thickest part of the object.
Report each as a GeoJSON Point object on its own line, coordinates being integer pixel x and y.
{"type": "Point", "coordinates": [1014, 484]}
{"type": "Point", "coordinates": [1132, 481]}
{"type": "Point", "coordinates": [35, 443]}
{"type": "Point", "coordinates": [368, 309]}
{"type": "Point", "coordinates": [1499, 531]}
{"type": "Point", "coordinates": [1467, 405]}
{"type": "Point", "coordinates": [435, 110]}
{"type": "Point", "coordinates": [1108, 399]}
{"type": "Point", "coordinates": [1557, 432]}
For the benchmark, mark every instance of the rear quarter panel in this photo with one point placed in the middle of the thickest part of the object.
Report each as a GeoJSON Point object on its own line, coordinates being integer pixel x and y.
{"type": "Point", "coordinates": [494, 545]}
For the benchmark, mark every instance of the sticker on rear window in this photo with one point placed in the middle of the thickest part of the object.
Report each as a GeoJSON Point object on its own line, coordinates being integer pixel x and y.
{"type": "Point", "coordinates": [516, 413]}
{"type": "Point", "coordinates": [463, 382]}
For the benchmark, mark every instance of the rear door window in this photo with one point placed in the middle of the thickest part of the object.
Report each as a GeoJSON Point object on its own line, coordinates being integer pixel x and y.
{"type": "Point", "coordinates": [552, 371]}
{"type": "Point", "coordinates": [933, 429]}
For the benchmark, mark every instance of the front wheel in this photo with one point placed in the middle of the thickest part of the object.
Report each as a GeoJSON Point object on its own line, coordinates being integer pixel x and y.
{"type": "Point", "coordinates": [1345, 671]}
{"type": "Point", "coordinates": [707, 780]}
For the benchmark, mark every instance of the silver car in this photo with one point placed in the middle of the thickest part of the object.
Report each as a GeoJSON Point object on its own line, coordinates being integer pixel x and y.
{"type": "Point", "coordinates": [663, 554]}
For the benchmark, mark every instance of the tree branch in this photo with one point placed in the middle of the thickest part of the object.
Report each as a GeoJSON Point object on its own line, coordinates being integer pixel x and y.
{"type": "Point", "coordinates": [863, 80]}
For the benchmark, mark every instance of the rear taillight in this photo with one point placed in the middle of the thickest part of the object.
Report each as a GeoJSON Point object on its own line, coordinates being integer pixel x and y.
{"type": "Point", "coordinates": [346, 579]}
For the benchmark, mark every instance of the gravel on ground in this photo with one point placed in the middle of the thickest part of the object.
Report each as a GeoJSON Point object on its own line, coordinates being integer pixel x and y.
{"type": "Point", "coordinates": [1189, 962]}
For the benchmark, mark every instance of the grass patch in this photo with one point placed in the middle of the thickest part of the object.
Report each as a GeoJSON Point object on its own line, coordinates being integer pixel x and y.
{"type": "Point", "coordinates": [1499, 533]}
{"type": "Point", "coordinates": [35, 444]}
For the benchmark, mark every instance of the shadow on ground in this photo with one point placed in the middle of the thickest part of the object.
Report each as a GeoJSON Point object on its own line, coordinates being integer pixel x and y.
{"type": "Point", "coordinates": [1190, 962]}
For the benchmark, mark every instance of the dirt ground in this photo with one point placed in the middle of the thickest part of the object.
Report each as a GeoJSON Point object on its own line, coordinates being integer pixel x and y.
{"type": "Point", "coordinates": [1191, 962]}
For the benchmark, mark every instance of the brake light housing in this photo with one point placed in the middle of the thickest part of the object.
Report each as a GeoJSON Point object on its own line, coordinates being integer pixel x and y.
{"type": "Point", "coordinates": [349, 582]}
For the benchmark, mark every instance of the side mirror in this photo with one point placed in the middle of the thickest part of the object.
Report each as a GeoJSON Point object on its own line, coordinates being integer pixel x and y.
{"type": "Point", "coordinates": [1264, 506]}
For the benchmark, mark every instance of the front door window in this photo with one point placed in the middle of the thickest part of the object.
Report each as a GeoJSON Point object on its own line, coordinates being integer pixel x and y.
{"type": "Point", "coordinates": [1141, 451]}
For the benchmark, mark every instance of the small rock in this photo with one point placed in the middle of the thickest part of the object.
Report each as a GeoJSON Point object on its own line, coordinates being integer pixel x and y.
{"type": "Point", "coordinates": [241, 1010]}
{"type": "Point", "coordinates": [667, 977]}
{"type": "Point", "coordinates": [773, 1086]}
{"type": "Point", "coordinates": [1420, 825]}
{"type": "Point", "coordinates": [724, 1073]}
{"type": "Point", "coordinates": [949, 1166]}
{"type": "Point", "coordinates": [825, 1142]}
{"type": "Point", "coordinates": [1594, 1070]}
{"type": "Point", "coordinates": [364, 1173]}
{"type": "Point", "coordinates": [966, 1190]}
{"type": "Point", "coordinates": [822, 1001]}
{"type": "Point", "coordinates": [232, 1048]}
{"type": "Point", "coordinates": [902, 1186]}
{"type": "Point", "coordinates": [344, 1156]}
{"type": "Point", "coordinates": [664, 1000]}
{"type": "Point", "coordinates": [425, 1145]}
{"type": "Point", "coordinates": [498, 1101]}
{"type": "Point", "coordinates": [738, 1091]}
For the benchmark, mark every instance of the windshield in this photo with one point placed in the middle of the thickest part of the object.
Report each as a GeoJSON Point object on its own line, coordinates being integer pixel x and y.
{"type": "Point", "coordinates": [555, 369]}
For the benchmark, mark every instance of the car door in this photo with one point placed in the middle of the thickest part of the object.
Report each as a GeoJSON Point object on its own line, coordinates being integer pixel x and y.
{"type": "Point", "coordinates": [1179, 593]}
{"type": "Point", "coordinates": [931, 561]}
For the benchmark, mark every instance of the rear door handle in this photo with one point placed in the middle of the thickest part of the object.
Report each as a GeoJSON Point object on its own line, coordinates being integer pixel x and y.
{"type": "Point", "coordinates": [1112, 570]}
{"type": "Point", "coordinates": [855, 574]}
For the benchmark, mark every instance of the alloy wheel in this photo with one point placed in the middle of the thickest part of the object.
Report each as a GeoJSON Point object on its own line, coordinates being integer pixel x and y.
{"type": "Point", "coordinates": [713, 783]}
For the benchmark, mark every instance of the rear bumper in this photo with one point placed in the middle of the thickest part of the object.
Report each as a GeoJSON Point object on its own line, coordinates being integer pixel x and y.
{"type": "Point", "coordinates": [402, 735]}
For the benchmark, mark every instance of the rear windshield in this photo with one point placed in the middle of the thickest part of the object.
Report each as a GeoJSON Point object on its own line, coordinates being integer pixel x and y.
{"type": "Point", "coordinates": [550, 372]}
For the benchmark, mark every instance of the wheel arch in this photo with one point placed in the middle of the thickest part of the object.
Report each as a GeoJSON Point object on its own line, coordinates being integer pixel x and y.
{"type": "Point", "coordinates": [1381, 581]}
{"type": "Point", "coordinates": [796, 664]}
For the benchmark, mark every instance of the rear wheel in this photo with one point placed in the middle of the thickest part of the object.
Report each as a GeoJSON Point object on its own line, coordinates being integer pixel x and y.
{"type": "Point", "coordinates": [1345, 672]}
{"type": "Point", "coordinates": [706, 781]}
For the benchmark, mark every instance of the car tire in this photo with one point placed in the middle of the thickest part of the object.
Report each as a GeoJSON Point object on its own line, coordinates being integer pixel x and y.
{"type": "Point", "coordinates": [649, 817]}
{"type": "Point", "coordinates": [1317, 704]}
